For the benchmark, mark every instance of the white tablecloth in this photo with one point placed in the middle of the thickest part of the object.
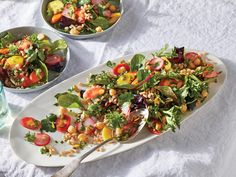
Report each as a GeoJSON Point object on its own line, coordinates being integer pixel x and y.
{"type": "Point", "coordinates": [205, 145]}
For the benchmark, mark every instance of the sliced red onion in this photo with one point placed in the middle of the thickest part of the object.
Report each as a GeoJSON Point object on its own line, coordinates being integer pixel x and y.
{"type": "Point", "coordinates": [158, 61]}
{"type": "Point", "coordinates": [89, 122]}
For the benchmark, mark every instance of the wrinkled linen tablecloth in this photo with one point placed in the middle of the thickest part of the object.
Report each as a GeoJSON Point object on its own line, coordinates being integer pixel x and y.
{"type": "Point", "coordinates": [205, 146]}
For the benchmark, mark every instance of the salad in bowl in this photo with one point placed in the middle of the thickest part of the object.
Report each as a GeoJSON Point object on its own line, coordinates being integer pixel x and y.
{"type": "Point", "coordinates": [169, 84]}
{"type": "Point", "coordinates": [30, 60]}
{"type": "Point", "coordinates": [81, 18]}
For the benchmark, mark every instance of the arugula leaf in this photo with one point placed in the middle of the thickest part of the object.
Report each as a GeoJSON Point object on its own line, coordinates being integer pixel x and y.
{"type": "Point", "coordinates": [110, 64]}
{"type": "Point", "coordinates": [173, 118]}
{"type": "Point", "coordinates": [115, 119]}
{"type": "Point", "coordinates": [142, 74]}
{"type": "Point", "coordinates": [59, 45]}
{"type": "Point", "coordinates": [192, 88]}
{"type": "Point", "coordinates": [68, 100]}
{"type": "Point", "coordinates": [41, 55]}
{"type": "Point", "coordinates": [45, 70]}
{"type": "Point", "coordinates": [125, 97]}
{"type": "Point", "coordinates": [6, 39]}
{"type": "Point", "coordinates": [125, 86]}
{"type": "Point", "coordinates": [167, 91]}
{"type": "Point", "coordinates": [102, 22]}
{"type": "Point", "coordinates": [32, 56]}
{"type": "Point", "coordinates": [137, 62]}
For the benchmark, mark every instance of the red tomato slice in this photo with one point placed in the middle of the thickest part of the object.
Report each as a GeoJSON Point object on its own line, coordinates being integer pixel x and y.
{"type": "Point", "coordinates": [192, 56]}
{"type": "Point", "coordinates": [208, 75]}
{"type": "Point", "coordinates": [53, 60]}
{"type": "Point", "coordinates": [156, 63]}
{"type": "Point", "coordinates": [93, 92]}
{"type": "Point", "coordinates": [120, 68]}
{"type": "Point", "coordinates": [62, 123]}
{"type": "Point", "coordinates": [171, 83]}
{"type": "Point", "coordinates": [26, 82]}
{"type": "Point", "coordinates": [42, 139]}
{"type": "Point", "coordinates": [35, 78]}
{"type": "Point", "coordinates": [30, 123]}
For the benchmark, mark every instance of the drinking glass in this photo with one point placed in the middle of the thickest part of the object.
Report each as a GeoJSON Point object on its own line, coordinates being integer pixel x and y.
{"type": "Point", "coordinates": [3, 106]}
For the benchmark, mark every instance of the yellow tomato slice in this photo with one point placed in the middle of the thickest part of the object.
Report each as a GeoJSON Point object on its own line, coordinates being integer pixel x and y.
{"type": "Point", "coordinates": [15, 60]}
{"type": "Point", "coordinates": [107, 133]}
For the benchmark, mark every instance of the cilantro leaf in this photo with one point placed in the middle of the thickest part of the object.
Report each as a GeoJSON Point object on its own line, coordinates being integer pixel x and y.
{"type": "Point", "coordinates": [115, 119]}
{"type": "Point", "coordinates": [125, 97]}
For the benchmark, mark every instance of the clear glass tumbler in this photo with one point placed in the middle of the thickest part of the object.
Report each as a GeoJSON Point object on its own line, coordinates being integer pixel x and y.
{"type": "Point", "coordinates": [3, 106]}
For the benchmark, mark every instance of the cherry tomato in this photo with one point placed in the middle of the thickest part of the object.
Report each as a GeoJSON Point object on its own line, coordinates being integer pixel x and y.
{"type": "Point", "coordinates": [26, 82]}
{"type": "Point", "coordinates": [156, 63]}
{"type": "Point", "coordinates": [42, 139]}
{"type": "Point", "coordinates": [62, 123]}
{"type": "Point", "coordinates": [120, 68]}
{"type": "Point", "coordinates": [171, 83]}
{"type": "Point", "coordinates": [154, 131]}
{"type": "Point", "coordinates": [36, 78]}
{"type": "Point", "coordinates": [192, 56]}
{"type": "Point", "coordinates": [30, 123]}
{"type": "Point", "coordinates": [93, 92]}
{"type": "Point", "coordinates": [53, 60]}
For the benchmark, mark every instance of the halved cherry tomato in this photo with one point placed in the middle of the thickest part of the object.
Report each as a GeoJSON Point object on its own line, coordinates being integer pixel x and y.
{"type": "Point", "coordinates": [93, 92]}
{"type": "Point", "coordinates": [120, 68]}
{"type": "Point", "coordinates": [154, 131]}
{"type": "Point", "coordinates": [36, 78]}
{"type": "Point", "coordinates": [53, 60]}
{"type": "Point", "coordinates": [171, 83]}
{"type": "Point", "coordinates": [62, 123]}
{"type": "Point", "coordinates": [26, 82]}
{"type": "Point", "coordinates": [156, 128]}
{"type": "Point", "coordinates": [30, 123]}
{"type": "Point", "coordinates": [192, 56]}
{"type": "Point", "coordinates": [42, 139]}
{"type": "Point", "coordinates": [156, 63]}
{"type": "Point", "coordinates": [208, 75]}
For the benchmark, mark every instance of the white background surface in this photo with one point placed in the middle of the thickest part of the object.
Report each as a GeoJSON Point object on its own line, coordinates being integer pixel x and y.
{"type": "Point", "coordinates": [205, 145]}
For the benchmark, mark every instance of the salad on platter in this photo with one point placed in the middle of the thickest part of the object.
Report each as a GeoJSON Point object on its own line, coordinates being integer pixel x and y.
{"type": "Point", "coordinates": [30, 60]}
{"type": "Point", "coordinates": [78, 17]}
{"type": "Point", "coordinates": [169, 84]}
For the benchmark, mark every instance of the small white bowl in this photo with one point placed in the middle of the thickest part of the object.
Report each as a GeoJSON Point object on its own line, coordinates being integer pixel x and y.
{"type": "Point", "coordinates": [21, 31]}
{"type": "Point", "coordinates": [82, 36]}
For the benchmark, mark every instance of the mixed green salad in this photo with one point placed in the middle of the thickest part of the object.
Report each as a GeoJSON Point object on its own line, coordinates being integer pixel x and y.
{"type": "Point", "coordinates": [30, 60]}
{"type": "Point", "coordinates": [168, 84]}
{"type": "Point", "coordinates": [79, 17]}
